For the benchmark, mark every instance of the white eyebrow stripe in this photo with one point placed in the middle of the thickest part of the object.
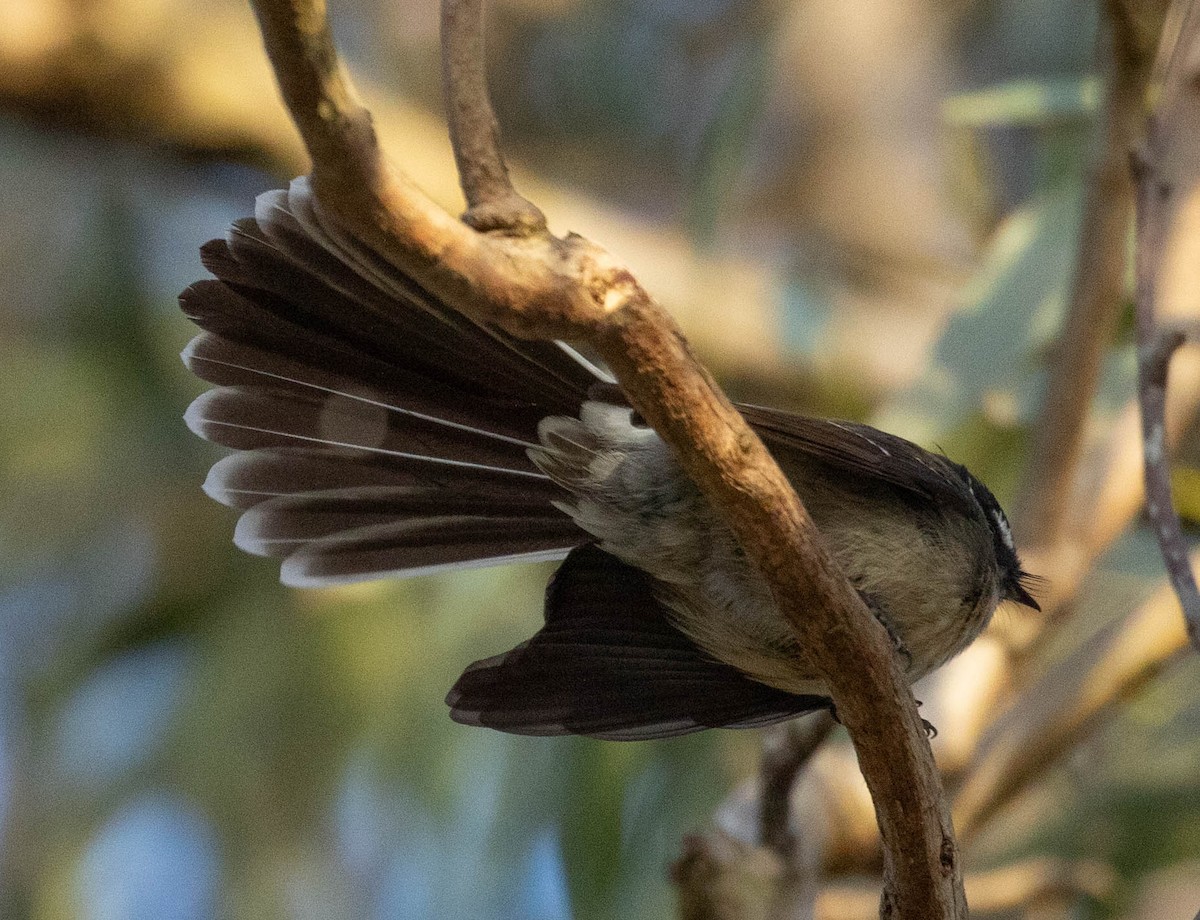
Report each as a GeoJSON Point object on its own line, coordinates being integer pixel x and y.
{"type": "Point", "coordinates": [1005, 529]}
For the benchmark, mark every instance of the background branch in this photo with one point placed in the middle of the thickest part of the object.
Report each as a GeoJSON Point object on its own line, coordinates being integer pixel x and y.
{"type": "Point", "coordinates": [1172, 140]}
{"type": "Point", "coordinates": [1022, 887]}
{"type": "Point", "coordinates": [1052, 715]}
{"type": "Point", "coordinates": [785, 751]}
{"type": "Point", "coordinates": [1097, 293]}
{"type": "Point", "coordinates": [1154, 358]}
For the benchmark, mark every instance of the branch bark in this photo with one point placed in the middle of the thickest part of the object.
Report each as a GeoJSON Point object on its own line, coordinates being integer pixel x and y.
{"type": "Point", "coordinates": [492, 202]}
{"type": "Point", "coordinates": [535, 285]}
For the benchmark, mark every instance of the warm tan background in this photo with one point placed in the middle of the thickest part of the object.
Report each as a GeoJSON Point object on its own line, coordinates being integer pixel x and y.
{"type": "Point", "coordinates": [868, 208]}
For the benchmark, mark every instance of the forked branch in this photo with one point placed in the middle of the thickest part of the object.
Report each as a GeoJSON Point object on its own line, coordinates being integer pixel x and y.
{"type": "Point", "coordinates": [535, 285]}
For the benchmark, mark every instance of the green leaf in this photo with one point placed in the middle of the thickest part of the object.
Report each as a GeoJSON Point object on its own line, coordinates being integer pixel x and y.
{"type": "Point", "coordinates": [1185, 490]}
{"type": "Point", "coordinates": [1024, 102]}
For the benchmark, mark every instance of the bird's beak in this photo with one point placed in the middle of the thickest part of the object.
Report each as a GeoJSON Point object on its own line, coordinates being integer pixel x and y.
{"type": "Point", "coordinates": [1018, 593]}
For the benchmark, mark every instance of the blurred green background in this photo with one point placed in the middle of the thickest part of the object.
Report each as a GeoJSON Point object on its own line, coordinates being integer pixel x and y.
{"type": "Point", "coordinates": [181, 738]}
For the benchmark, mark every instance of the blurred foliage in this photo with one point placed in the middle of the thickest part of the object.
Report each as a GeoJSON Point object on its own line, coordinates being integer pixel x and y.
{"type": "Point", "coordinates": [1024, 102]}
{"type": "Point", "coordinates": [185, 738]}
{"type": "Point", "coordinates": [1185, 487]}
{"type": "Point", "coordinates": [181, 737]}
{"type": "Point", "coordinates": [662, 97]}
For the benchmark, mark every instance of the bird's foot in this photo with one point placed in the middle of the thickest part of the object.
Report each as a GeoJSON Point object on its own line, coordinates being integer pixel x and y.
{"type": "Point", "coordinates": [876, 607]}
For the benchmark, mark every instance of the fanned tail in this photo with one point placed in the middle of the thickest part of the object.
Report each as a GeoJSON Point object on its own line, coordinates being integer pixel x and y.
{"type": "Point", "coordinates": [379, 433]}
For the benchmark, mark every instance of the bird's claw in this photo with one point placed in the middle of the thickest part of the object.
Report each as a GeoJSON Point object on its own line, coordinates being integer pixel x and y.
{"type": "Point", "coordinates": [931, 731]}
{"type": "Point", "coordinates": [897, 642]}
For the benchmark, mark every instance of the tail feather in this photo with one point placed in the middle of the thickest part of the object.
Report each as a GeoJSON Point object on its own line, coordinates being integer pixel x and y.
{"type": "Point", "coordinates": [277, 526]}
{"type": "Point", "coordinates": [384, 309]}
{"type": "Point", "coordinates": [294, 314]}
{"type": "Point", "coordinates": [421, 545]}
{"type": "Point", "coordinates": [251, 417]}
{"type": "Point", "coordinates": [230, 363]}
{"type": "Point", "coordinates": [244, 480]}
{"type": "Point", "coordinates": [381, 433]}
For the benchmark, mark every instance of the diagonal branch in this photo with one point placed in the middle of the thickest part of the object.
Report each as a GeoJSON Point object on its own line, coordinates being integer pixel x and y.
{"type": "Point", "coordinates": [538, 286]}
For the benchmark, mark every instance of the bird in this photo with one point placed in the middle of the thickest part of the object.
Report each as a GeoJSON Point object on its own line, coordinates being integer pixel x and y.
{"type": "Point", "coordinates": [376, 432]}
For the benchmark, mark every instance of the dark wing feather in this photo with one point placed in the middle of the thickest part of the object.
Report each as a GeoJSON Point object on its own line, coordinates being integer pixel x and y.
{"type": "Point", "coordinates": [863, 450]}
{"type": "Point", "coordinates": [380, 433]}
{"type": "Point", "coordinates": [609, 664]}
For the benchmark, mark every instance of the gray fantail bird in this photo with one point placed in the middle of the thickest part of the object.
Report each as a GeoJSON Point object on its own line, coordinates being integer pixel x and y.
{"type": "Point", "coordinates": [379, 433]}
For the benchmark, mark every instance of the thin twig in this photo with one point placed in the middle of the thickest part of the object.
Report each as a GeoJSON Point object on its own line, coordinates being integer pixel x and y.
{"type": "Point", "coordinates": [1160, 506]}
{"type": "Point", "coordinates": [785, 751]}
{"type": "Point", "coordinates": [492, 202]}
{"type": "Point", "coordinates": [1158, 197]}
{"type": "Point", "coordinates": [539, 286]}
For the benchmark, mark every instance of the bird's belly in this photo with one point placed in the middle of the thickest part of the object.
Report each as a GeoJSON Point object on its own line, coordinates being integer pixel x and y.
{"type": "Point", "coordinates": [727, 608]}
{"type": "Point", "coordinates": [630, 494]}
